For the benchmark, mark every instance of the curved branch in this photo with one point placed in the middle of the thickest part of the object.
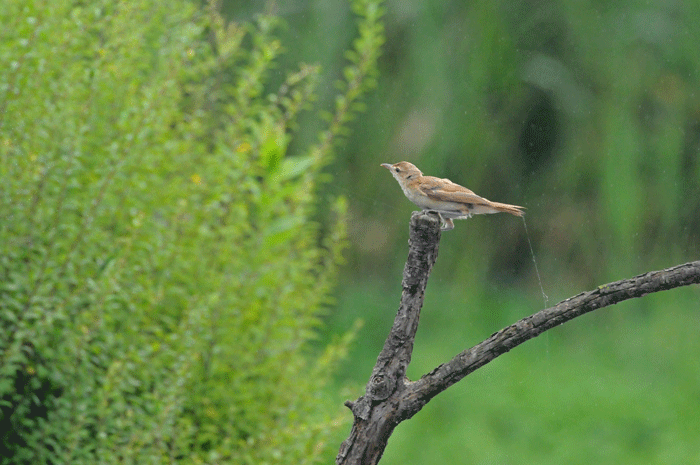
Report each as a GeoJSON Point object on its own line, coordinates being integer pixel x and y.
{"type": "Point", "coordinates": [532, 326]}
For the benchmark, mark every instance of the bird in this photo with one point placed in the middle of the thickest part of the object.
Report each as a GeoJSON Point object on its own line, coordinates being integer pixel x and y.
{"type": "Point", "coordinates": [449, 200]}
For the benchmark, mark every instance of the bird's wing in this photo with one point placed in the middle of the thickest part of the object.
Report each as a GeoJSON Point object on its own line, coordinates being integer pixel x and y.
{"type": "Point", "coordinates": [445, 190]}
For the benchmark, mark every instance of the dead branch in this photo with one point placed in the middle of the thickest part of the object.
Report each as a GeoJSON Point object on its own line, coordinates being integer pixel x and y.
{"type": "Point", "coordinates": [391, 398]}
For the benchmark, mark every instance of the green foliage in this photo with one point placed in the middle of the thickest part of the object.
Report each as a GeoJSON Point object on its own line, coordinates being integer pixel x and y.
{"type": "Point", "coordinates": [160, 271]}
{"type": "Point", "coordinates": [583, 112]}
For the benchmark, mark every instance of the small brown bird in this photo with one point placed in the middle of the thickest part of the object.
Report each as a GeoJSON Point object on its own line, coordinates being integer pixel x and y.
{"type": "Point", "coordinates": [449, 200]}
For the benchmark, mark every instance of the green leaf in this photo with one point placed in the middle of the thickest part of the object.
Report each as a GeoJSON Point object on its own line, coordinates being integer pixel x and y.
{"type": "Point", "coordinates": [293, 167]}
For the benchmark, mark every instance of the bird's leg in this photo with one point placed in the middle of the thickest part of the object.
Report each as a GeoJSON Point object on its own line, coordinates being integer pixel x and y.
{"type": "Point", "coordinates": [445, 223]}
{"type": "Point", "coordinates": [448, 224]}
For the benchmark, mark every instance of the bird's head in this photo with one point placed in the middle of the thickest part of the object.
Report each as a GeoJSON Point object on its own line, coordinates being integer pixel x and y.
{"type": "Point", "coordinates": [403, 171]}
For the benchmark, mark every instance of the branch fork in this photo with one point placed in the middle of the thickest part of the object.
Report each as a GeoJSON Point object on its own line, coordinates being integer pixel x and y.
{"type": "Point", "coordinates": [391, 398]}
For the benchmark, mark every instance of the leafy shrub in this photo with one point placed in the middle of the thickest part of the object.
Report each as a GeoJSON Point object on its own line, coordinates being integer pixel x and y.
{"type": "Point", "coordinates": [160, 269]}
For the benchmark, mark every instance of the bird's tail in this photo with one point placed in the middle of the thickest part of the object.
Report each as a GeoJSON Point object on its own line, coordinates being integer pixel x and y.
{"type": "Point", "coordinates": [505, 208]}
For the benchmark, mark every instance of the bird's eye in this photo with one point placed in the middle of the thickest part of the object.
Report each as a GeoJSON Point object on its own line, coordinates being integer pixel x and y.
{"type": "Point", "coordinates": [397, 170]}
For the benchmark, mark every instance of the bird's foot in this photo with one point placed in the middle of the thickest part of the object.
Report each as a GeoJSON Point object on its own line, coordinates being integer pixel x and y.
{"type": "Point", "coordinates": [447, 224]}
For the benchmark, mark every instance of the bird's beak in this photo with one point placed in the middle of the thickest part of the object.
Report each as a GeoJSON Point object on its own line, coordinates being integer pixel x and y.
{"type": "Point", "coordinates": [386, 165]}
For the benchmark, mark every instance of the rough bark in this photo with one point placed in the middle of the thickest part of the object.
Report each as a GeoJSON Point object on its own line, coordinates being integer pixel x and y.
{"type": "Point", "coordinates": [391, 398]}
{"type": "Point", "coordinates": [376, 413]}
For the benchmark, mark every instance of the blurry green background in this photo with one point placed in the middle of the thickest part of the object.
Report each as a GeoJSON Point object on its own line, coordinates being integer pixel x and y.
{"type": "Point", "coordinates": [172, 221]}
{"type": "Point", "coordinates": [586, 113]}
